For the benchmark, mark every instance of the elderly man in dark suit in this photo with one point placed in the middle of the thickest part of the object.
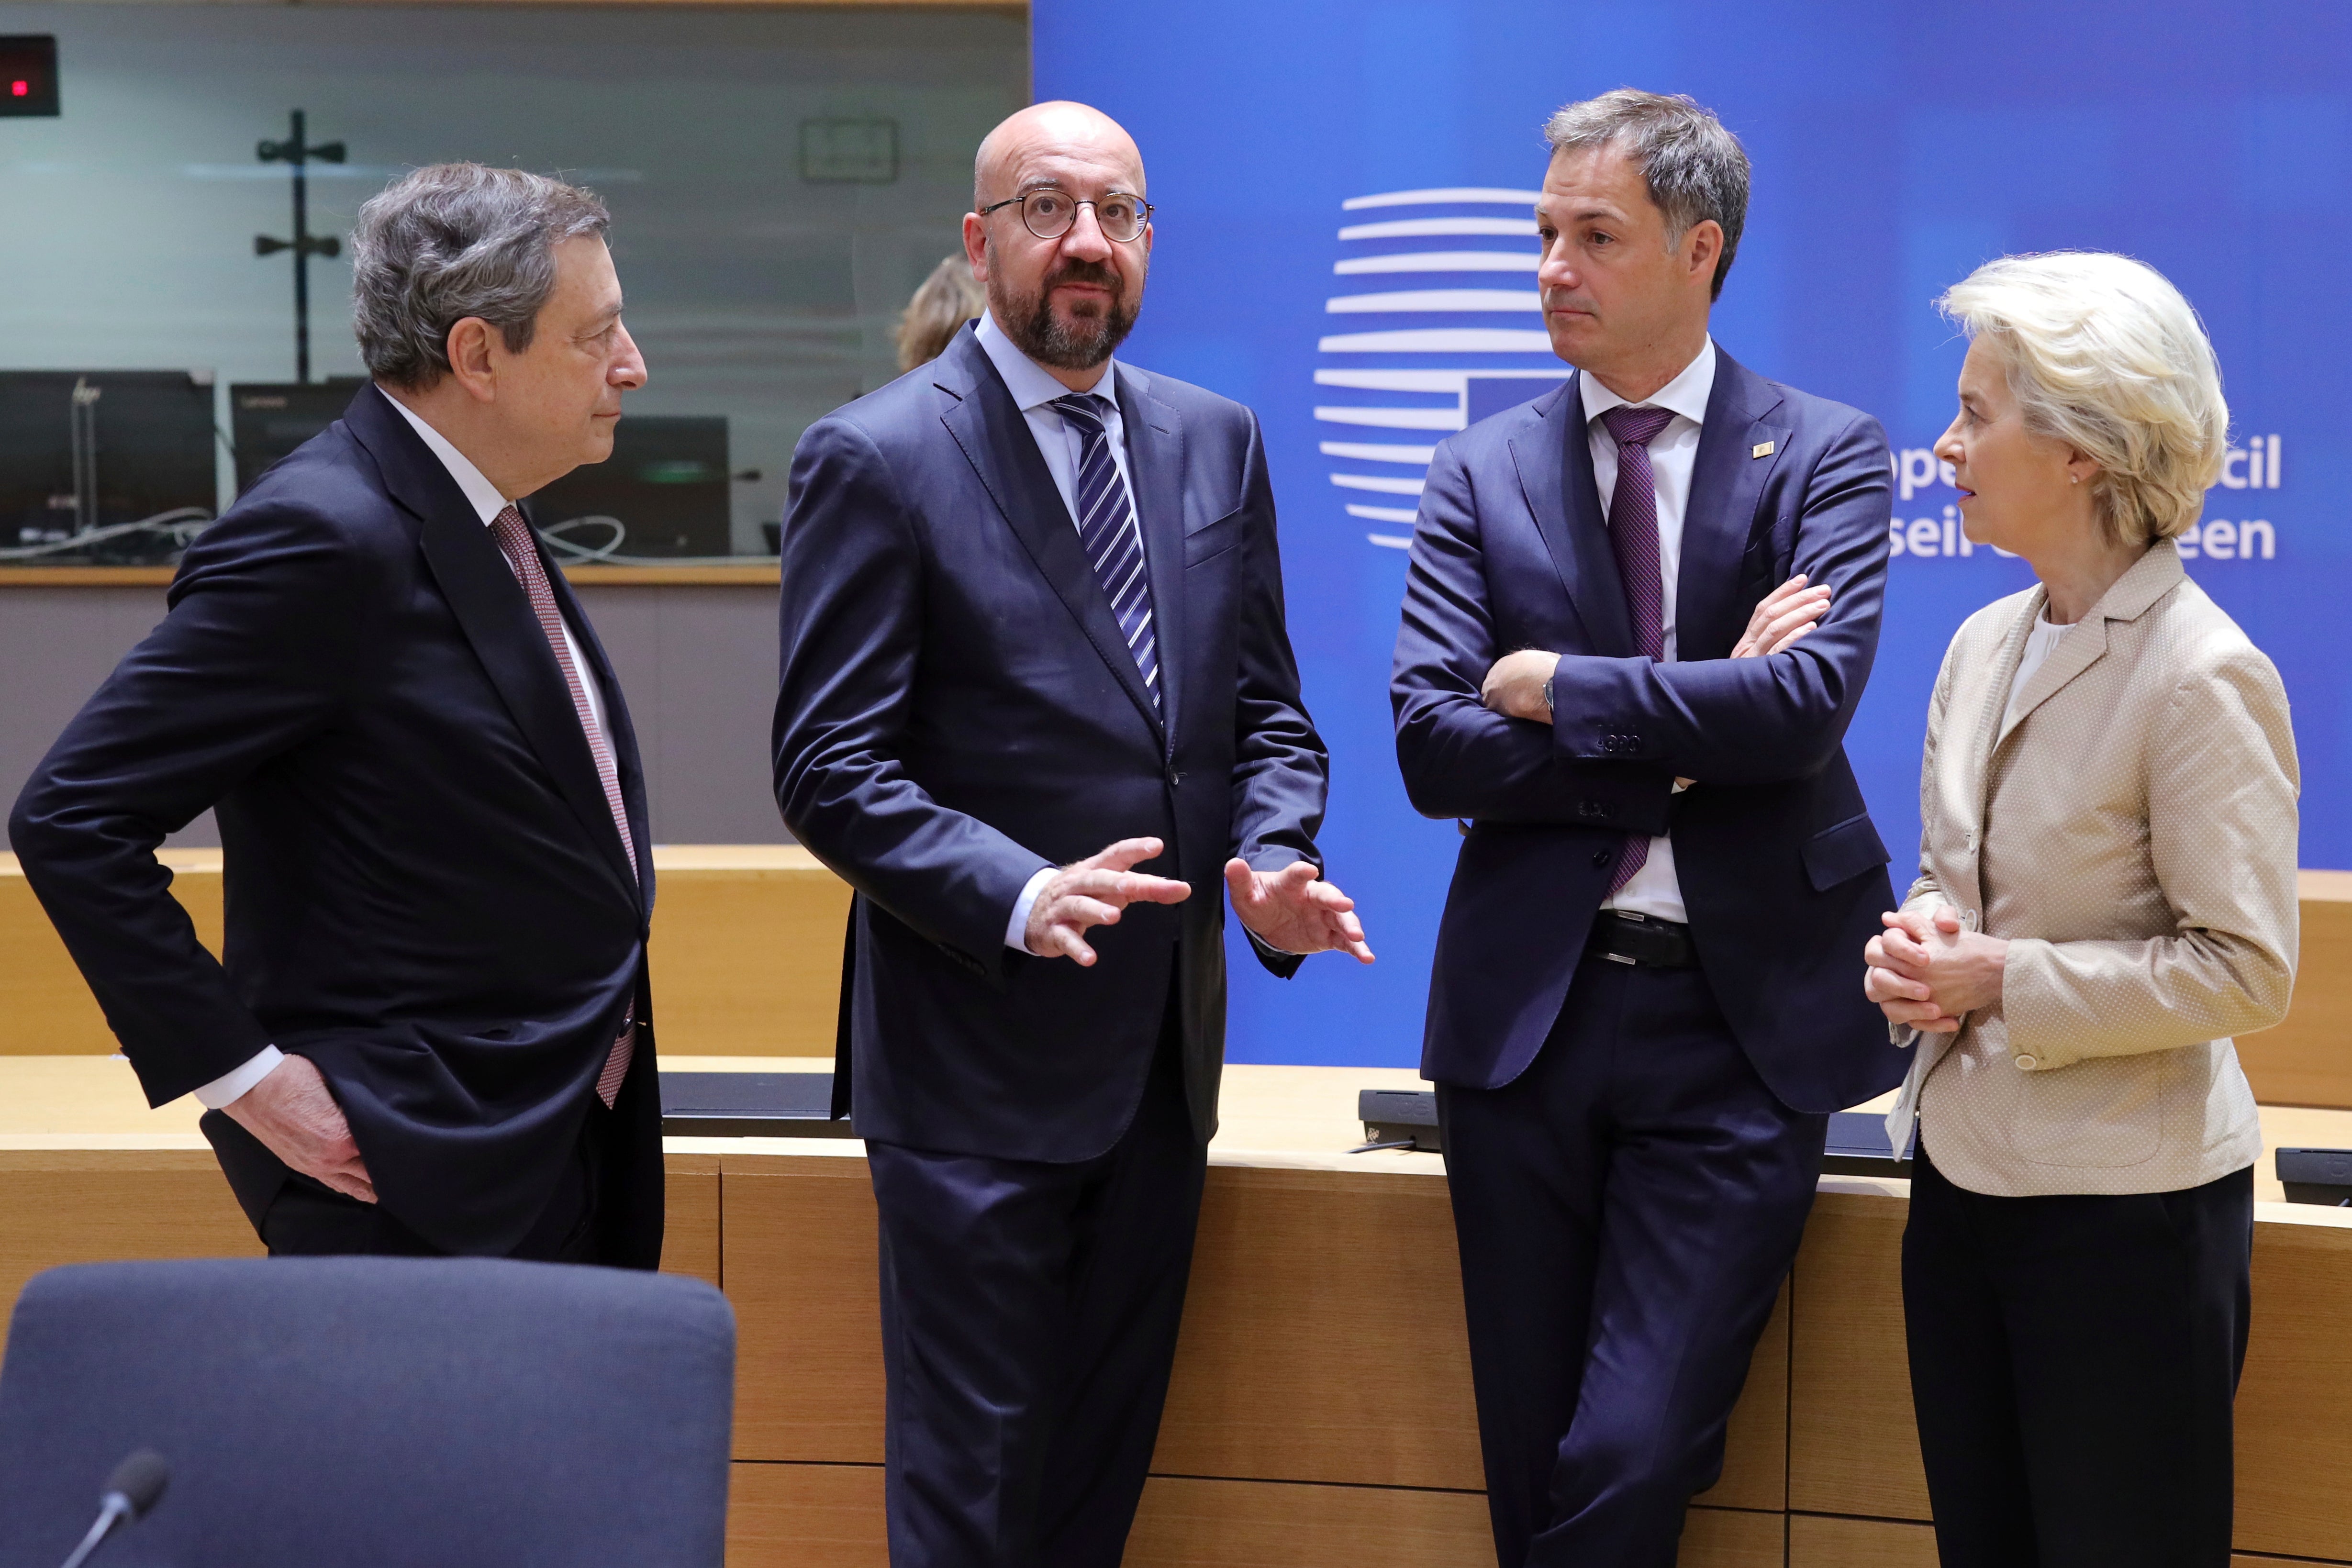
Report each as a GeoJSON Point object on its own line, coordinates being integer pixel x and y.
{"type": "Point", "coordinates": [1032, 641]}
{"type": "Point", "coordinates": [429, 1032]}
{"type": "Point", "coordinates": [1643, 1003]}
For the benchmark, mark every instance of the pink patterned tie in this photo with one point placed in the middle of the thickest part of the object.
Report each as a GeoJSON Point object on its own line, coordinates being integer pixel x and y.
{"type": "Point", "coordinates": [1633, 537]}
{"type": "Point", "coordinates": [513, 535]}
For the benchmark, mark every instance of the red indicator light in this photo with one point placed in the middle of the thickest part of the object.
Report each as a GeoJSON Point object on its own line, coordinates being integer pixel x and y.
{"type": "Point", "coordinates": [20, 89]}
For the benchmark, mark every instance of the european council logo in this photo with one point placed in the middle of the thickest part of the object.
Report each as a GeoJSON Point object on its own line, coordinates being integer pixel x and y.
{"type": "Point", "coordinates": [1465, 340]}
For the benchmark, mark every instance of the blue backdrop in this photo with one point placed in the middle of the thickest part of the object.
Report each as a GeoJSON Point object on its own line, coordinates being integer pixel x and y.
{"type": "Point", "coordinates": [1342, 244]}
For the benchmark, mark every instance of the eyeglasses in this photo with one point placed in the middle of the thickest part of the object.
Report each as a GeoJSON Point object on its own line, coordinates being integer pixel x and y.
{"type": "Point", "coordinates": [1049, 213]}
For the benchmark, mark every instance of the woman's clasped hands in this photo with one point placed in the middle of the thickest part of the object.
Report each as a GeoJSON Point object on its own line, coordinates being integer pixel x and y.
{"type": "Point", "coordinates": [1929, 971]}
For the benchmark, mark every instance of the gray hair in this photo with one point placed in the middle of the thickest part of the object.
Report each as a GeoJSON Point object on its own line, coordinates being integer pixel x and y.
{"type": "Point", "coordinates": [454, 240]}
{"type": "Point", "coordinates": [2103, 354]}
{"type": "Point", "coordinates": [1695, 169]}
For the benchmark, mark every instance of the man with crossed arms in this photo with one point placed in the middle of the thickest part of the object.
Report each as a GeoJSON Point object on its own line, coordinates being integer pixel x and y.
{"type": "Point", "coordinates": [1643, 1003]}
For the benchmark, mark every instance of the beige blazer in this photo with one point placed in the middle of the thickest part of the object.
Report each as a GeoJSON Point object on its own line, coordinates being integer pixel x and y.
{"type": "Point", "coordinates": [2132, 833]}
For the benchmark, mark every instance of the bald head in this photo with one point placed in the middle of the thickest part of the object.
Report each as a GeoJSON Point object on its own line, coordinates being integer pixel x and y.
{"type": "Point", "coordinates": [1061, 237]}
{"type": "Point", "coordinates": [1046, 134]}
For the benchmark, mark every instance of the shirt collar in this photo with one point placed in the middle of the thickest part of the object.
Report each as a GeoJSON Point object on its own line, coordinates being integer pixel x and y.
{"type": "Point", "coordinates": [1687, 394]}
{"type": "Point", "coordinates": [1031, 384]}
{"type": "Point", "coordinates": [480, 492]}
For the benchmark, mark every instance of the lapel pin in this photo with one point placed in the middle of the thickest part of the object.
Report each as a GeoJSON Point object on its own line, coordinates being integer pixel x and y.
{"type": "Point", "coordinates": [1762, 449]}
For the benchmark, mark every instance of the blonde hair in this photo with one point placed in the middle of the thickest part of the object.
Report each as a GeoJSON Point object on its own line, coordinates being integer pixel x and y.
{"type": "Point", "coordinates": [948, 298]}
{"type": "Point", "coordinates": [2103, 354]}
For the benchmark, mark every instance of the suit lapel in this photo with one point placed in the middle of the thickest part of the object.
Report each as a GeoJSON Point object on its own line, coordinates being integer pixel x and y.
{"type": "Point", "coordinates": [1555, 466]}
{"type": "Point", "coordinates": [495, 615]}
{"type": "Point", "coordinates": [1973, 799]}
{"type": "Point", "coordinates": [1727, 479]}
{"type": "Point", "coordinates": [2148, 578]}
{"type": "Point", "coordinates": [1155, 460]}
{"type": "Point", "coordinates": [2083, 644]}
{"type": "Point", "coordinates": [998, 443]}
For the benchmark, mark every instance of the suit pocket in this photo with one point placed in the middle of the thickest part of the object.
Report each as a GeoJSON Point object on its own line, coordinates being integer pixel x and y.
{"type": "Point", "coordinates": [2096, 1114]}
{"type": "Point", "coordinates": [1212, 539]}
{"type": "Point", "coordinates": [1839, 853]}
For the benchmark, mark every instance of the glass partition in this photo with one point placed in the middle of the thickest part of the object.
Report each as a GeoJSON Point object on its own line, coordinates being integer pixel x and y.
{"type": "Point", "coordinates": [781, 180]}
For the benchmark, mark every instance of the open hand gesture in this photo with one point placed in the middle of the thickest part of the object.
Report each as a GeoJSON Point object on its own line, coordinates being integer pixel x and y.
{"type": "Point", "coordinates": [1092, 892]}
{"type": "Point", "coordinates": [1295, 911]}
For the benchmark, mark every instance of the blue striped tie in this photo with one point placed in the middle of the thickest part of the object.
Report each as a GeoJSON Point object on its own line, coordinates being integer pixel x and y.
{"type": "Point", "coordinates": [1106, 529]}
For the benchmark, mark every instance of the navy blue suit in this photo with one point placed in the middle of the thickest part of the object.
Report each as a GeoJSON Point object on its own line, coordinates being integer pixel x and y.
{"type": "Point", "coordinates": [958, 708]}
{"type": "Point", "coordinates": [425, 894]}
{"type": "Point", "coordinates": [1632, 1150]}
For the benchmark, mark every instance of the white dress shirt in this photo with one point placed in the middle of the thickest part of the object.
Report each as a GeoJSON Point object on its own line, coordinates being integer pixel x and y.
{"type": "Point", "coordinates": [1061, 444]}
{"type": "Point", "coordinates": [2038, 644]}
{"type": "Point", "coordinates": [1653, 890]}
{"type": "Point", "coordinates": [487, 504]}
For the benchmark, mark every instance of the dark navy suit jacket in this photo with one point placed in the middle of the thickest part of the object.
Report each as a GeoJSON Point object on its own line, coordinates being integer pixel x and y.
{"type": "Point", "coordinates": [425, 896]}
{"type": "Point", "coordinates": [958, 708]}
{"type": "Point", "coordinates": [1781, 871]}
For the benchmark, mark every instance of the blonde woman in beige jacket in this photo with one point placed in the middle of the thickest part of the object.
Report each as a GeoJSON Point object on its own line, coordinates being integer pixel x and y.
{"type": "Point", "coordinates": [2107, 893]}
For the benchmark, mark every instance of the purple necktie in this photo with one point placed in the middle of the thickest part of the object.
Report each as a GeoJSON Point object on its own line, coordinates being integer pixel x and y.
{"type": "Point", "coordinates": [1633, 537]}
{"type": "Point", "coordinates": [1106, 529]}
{"type": "Point", "coordinates": [514, 541]}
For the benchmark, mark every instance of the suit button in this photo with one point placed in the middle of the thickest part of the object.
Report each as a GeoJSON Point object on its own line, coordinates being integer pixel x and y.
{"type": "Point", "coordinates": [1177, 777]}
{"type": "Point", "coordinates": [1592, 810]}
{"type": "Point", "coordinates": [2029, 1062]}
{"type": "Point", "coordinates": [1601, 857]}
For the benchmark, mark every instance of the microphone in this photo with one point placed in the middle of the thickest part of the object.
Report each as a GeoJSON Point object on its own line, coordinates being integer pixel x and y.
{"type": "Point", "coordinates": [135, 1487]}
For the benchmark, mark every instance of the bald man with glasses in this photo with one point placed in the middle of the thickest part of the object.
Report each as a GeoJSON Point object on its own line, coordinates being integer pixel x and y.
{"type": "Point", "coordinates": [1037, 700]}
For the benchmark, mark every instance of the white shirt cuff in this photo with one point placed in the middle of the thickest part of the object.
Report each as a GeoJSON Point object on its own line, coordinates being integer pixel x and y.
{"type": "Point", "coordinates": [1016, 930]}
{"type": "Point", "coordinates": [229, 1086]}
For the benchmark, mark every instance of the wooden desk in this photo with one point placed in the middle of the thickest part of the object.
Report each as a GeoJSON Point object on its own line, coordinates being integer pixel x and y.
{"type": "Point", "coordinates": [1321, 1411]}
{"type": "Point", "coordinates": [747, 961]}
{"type": "Point", "coordinates": [746, 951]}
{"type": "Point", "coordinates": [2307, 1060]}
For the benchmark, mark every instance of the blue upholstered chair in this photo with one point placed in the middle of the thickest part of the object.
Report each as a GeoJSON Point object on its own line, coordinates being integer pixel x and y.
{"type": "Point", "coordinates": [377, 1413]}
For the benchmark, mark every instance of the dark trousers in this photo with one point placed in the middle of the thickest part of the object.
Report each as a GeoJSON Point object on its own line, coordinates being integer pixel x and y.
{"type": "Point", "coordinates": [1029, 1319]}
{"type": "Point", "coordinates": [309, 1219]}
{"type": "Point", "coordinates": [2073, 1359]}
{"type": "Point", "coordinates": [1627, 1208]}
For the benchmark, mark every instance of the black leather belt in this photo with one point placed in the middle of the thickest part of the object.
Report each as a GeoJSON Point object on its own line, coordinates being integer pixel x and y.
{"type": "Point", "coordinates": [1639, 939]}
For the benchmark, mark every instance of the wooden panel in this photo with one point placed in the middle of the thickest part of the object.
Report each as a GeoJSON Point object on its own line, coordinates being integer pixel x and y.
{"type": "Point", "coordinates": [747, 961]}
{"type": "Point", "coordinates": [1187, 1523]}
{"type": "Point", "coordinates": [109, 1205]}
{"type": "Point", "coordinates": [802, 1270]}
{"type": "Point", "coordinates": [746, 951]}
{"type": "Point", "coordinates": [1323, 1336]}
{"type": "Point", "coordinates": [747, 956]}
{"type": "Point", "coordinates": [1729, 1538]}
{"type": "Point", "coordinates": [829, 1516]}
{"type": "Point", "coordinates": [2295, 1447]}
{"type": "Point", "coordinates": [87, 576]}
{"type": "Point", "coordinates": [691, 1215]}
{"type": "Point", "coordinates": [805, 1516]}
{"type": "Point", "coordinates": [105, 1206]}
{"type": "Point", "coordinates": [1756, 1448]}
{"type": "Point", "coordinates": [1853, 1444]}
{"type": "Point", "coordinates": [1818, 1542]}
{"type": "Point", "coordinates": [49, 1007]}
{"type": "Point", "coordinates": [2305, 1061]}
